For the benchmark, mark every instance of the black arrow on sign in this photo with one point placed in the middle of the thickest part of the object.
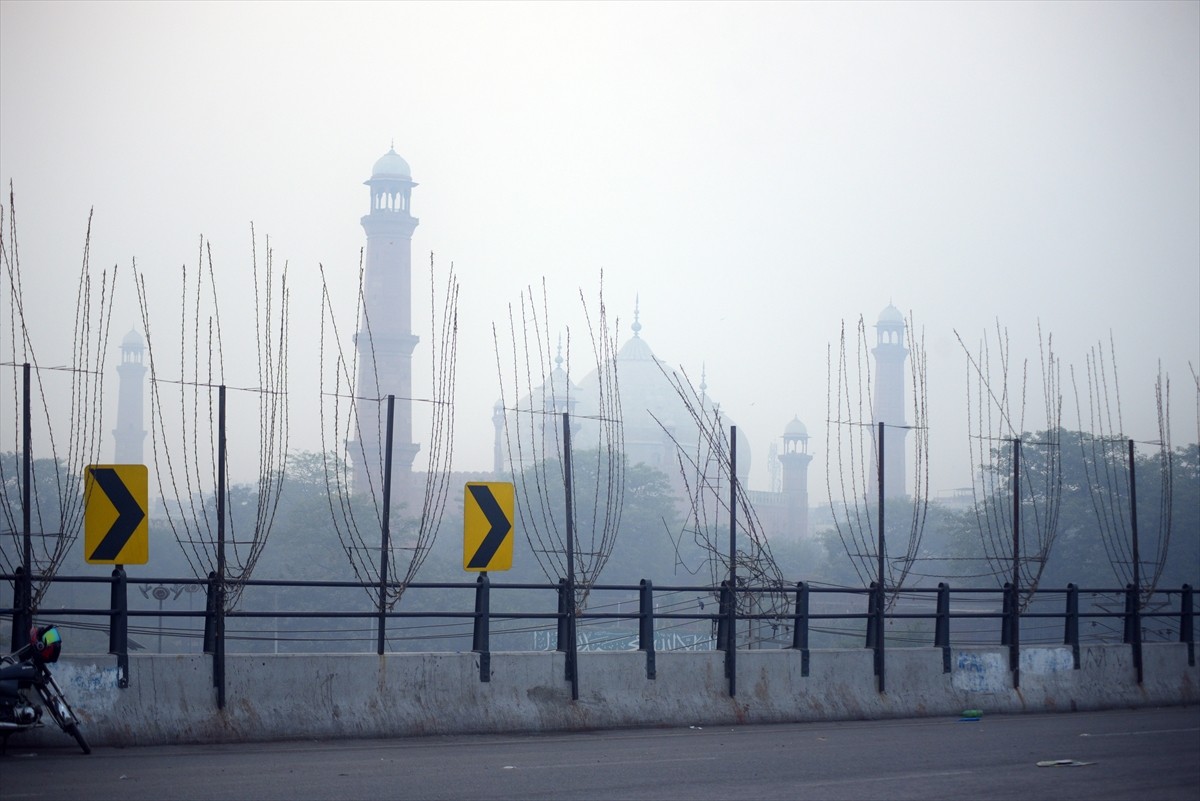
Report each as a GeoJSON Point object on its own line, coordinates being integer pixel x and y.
{"type": "Point", "coordinates": [499, 530]}
{"type": "Point", "coordinates": [129, 514]}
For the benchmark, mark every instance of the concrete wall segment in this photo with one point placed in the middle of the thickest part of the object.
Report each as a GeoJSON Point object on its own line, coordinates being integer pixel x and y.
{"type": "Point", "coordinates": [171, 699]}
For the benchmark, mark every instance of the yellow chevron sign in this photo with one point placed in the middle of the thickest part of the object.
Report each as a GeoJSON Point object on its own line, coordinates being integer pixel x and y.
{"type": "Point", "coordinates": [116, 530]}
{"type": "Point", "coordinates": [487, 525]}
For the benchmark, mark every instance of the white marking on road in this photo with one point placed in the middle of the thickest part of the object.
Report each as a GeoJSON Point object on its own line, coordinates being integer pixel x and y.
{"type": "Point", "coordinates": [608, 763]}
{"type": "Point", "coordinates": [891, 777]}
{"type": "Point", "coordinates": [1135, 733]}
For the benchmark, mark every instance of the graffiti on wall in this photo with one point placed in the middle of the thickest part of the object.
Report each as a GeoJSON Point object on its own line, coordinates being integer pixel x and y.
{"type": "Point", "coordinates": [980, 672]}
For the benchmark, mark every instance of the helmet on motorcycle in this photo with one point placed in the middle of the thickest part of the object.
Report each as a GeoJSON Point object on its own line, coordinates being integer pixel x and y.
{"type": "Point", "coordinates": [46, 642]}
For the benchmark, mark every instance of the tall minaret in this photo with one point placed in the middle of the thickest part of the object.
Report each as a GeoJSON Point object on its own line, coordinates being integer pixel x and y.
{"type": "Point", "coordinates": [795, 460]}
{"type": "Point", "coordinates": [889, 403]}
{"type": "Point", "coordinates": [498, 466]}
{"type": "Point", "coordinates": [129, 435]}
{"type": "Point", "coordinates": [385, 340]}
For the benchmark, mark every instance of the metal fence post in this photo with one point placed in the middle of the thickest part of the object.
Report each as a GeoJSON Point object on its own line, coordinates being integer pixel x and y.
{"type": "Point", "coordinates": [22, 615]}
{"type": "Point", "coordinates": [1130, 604]}
{"type": "Point", "coordinates": [1071, 632]}
{"type": "Point", "coordinates": [727, 633]}
{"type": "Point", "coordinates": [385, 529]}
{"type": "Point", "coordinates": [219, 651]}
{"type": "Point", "coordinates": [1186, 624]}
{"type": "Point", "coordinates": [480, 637]}
{"type": "Point", "coordinates": [23, 611]}
{"type": "Point", "coordinates": [800, 627]}
{"type": "Point", "coordinates": [561, 644]}
{"type": "Point", "coordinates": [210, 614]}
{"type": "Point", "coordinates": [1010, 630]}
{"type": "Point", "coordinates": [646, 625]}
{"type": "Point", "coordinates": [723, 617]}
{"type": "Point", "coordinates": [880, 659]}
{"type": "Point", "coordinates": [1006, 615]}
{"type": "Point", "coordinates": [118, 625]}
{"type": "Point", "coordinates": [872, 618]}
{"type": "Point", "coordinates": [1133, 627]}
{"type": "Point", "coordinates": [941, 627]}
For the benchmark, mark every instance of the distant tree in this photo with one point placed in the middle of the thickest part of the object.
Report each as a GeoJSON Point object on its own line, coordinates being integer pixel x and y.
{"type": "Point", "coordinates": [646, 548]}
{"type": "Point", "coordinates": [55, 491]}
{"type": "Point", "coordinates": [1183, 559]}
{"type": "Point", "coordinates": [305, 545]}
{"type": "Point", "coordinates": [1081, 553]}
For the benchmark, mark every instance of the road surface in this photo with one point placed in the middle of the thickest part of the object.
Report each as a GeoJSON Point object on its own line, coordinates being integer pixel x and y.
{"type": "Point", "coordinates": [1128, 754]}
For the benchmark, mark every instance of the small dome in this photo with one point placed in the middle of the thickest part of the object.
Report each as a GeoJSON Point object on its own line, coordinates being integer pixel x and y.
{"type": "Point", "coordinates": [635, 349]}
{"type": "Point", "coordinates": [795, 429]}
{"type": "Point", "coordinates": [391, 165]}
{"type": "Point", "coordinates": [133, 340]}
{"type": "Point", "coordinates": [891, 315]}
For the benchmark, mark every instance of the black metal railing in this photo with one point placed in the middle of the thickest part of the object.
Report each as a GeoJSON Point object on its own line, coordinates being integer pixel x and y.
{"type": "Point", "coordinates": [709, 614]}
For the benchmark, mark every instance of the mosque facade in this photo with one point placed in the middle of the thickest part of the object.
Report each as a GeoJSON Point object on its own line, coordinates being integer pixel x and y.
{"type": "Point", "coordinates": [657, 423]}
{"type": "Point", "coordinates": [659, 430]}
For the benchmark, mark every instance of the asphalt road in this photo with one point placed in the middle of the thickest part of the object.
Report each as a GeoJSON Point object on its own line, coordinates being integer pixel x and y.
{"type": "Point", "coordinates": [1130, 754]}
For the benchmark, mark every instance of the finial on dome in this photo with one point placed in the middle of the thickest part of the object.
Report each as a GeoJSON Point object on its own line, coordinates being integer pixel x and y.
{"type": "Point", "coordinates": [703, 378]}
{"type": "Point", "coordinates": [637, 303]}
{"type": "Point", "coordinates": [558, 360]}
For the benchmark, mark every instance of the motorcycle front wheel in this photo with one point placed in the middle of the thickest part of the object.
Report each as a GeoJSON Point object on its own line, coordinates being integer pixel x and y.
{"type": "Point", "coordinates": [73, 730]}
{"type": "Point", "coordinates": [60, 710]}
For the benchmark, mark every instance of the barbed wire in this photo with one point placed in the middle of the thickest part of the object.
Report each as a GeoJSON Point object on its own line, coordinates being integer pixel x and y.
{"type": "Point", "coordinates": [186, 475]}
{"type": "Point", "coordinates": [1104, 453]}
{"type": "Point", "coordinates": [534, 396]}
{"type": "Point", "coordinates": [56, 504]}
{"type": "Point", "coordinates": [997, 415]}
{"type": "Point", "coordinates": [351, 444]}
{"type": "Point", "coordinates": [849, 395]}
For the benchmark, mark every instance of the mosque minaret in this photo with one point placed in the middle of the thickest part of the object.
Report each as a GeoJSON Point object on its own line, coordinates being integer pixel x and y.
{"type": "Point", "coordinates": [385, 341]}
{"type": "Point", "coordinates": [130, 434]}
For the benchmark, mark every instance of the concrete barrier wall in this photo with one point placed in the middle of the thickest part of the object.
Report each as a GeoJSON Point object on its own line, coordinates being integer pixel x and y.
{"type": "Point", "coordinates": [171, 699]}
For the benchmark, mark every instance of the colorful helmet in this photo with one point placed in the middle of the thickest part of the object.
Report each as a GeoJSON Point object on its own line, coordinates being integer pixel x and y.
{"type": "Point", "coordinates": [46, 641]}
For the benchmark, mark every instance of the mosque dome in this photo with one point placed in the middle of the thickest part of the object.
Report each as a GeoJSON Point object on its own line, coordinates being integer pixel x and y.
{"type": "Point", "coordinates": [795, 429]}
{"type": "Point", "coordinates": [133, 340]}
{"type": "Point", "coordinates": [557, 394]}
{"type": "Point", "coordinates": [891, 316]}
{"type": "Point", "coordinates": [650, 404]}
{"type": "Point", "coordinates": [558, 391]}
{"type": "Point", "coordinates": [391, 165]}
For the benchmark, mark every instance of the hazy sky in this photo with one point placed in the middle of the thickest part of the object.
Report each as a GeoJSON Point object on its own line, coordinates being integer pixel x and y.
{"type": "Point", "coordinates": [756, 173]}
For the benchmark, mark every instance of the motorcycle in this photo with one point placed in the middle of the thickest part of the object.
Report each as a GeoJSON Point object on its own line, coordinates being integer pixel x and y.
{"type": "Point", "coordinates": [24, 669]}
